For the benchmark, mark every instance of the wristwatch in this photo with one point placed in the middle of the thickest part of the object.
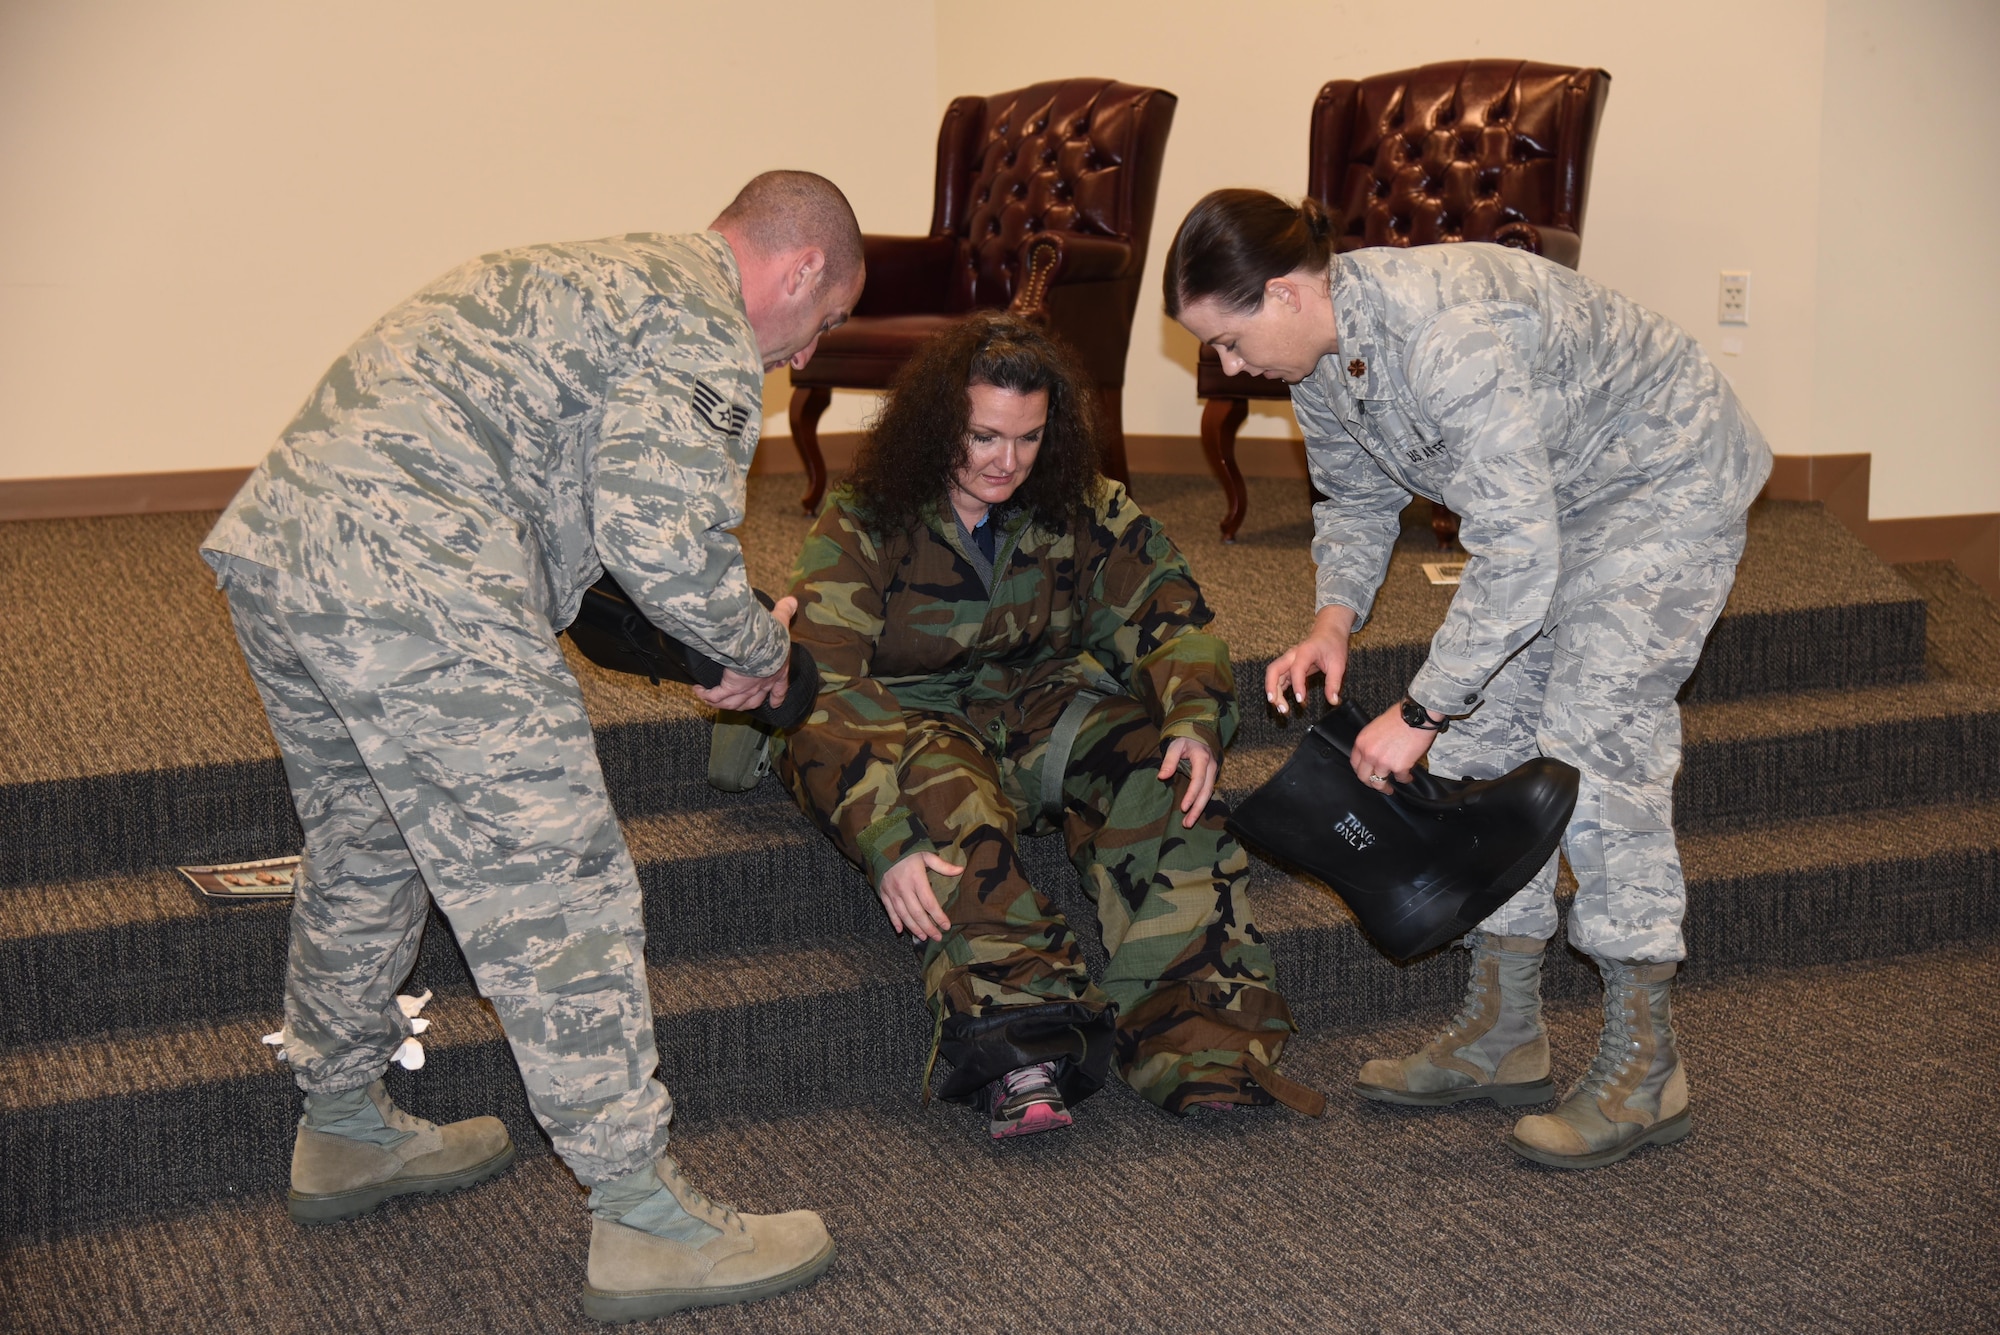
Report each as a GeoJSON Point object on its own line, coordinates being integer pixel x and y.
{"type": "Point", "coordinates": [1416, 716]}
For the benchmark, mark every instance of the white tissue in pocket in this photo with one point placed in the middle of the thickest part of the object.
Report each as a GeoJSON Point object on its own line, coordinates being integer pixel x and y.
{"type": "Point", "coordinates": [409, 1054]}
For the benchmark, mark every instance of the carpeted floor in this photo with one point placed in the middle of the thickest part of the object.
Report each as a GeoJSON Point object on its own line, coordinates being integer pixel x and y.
{"type": "Point", "coordinates": [1843, 1176]}
{"type": "Point", "coordinates": [1964, 637]}
{"type": "Point", "coordinates": [130, 734]}
{"type": "Point", "coordinates": [1839, 807]}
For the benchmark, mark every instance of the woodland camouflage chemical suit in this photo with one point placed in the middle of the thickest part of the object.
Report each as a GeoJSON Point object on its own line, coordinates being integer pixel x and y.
{"type": "Point", "coordinates": [945, 677]}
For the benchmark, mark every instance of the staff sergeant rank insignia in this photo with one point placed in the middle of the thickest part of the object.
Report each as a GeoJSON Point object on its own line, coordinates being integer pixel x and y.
{"type": "Point", "coordinates": [726, 417]}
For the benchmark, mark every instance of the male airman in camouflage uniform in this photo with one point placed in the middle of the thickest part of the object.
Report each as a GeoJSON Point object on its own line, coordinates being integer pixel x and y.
{"type": "Point", "coordinates": [1601, 468]}
{"type": "Point", "coordinates": [945, 675]}
{"type": "Point", "coordinates": [398, 568]}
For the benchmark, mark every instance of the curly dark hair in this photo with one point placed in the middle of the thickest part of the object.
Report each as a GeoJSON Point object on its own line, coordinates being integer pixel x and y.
{"type": "Point", "coordinates": [917, 442]}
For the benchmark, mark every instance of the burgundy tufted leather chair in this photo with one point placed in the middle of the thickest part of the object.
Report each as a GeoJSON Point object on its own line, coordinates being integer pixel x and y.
{"type": "Point", "coordinates": [1466, 150]}
{"type": "Point", "coordinates": [1044, 204]}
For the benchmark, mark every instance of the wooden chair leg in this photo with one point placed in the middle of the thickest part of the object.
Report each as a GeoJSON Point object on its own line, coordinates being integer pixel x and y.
{"type": "Point", "coordinates": [1220, 419]}
{"type": "Point", "coordinates": [1445, 525]}
{"type": "Point", "coordinates": [1111, 408]}
{"type": "Point", "coordinates": [807, 405]}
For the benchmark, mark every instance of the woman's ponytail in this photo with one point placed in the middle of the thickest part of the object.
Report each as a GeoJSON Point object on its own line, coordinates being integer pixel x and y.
{"type": "Point", "coordinates": [1234, 241]}
{"type": "Point", "coordinates": [1318, 222]}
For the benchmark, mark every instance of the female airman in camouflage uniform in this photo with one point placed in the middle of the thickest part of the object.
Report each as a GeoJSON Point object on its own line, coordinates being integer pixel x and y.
{"type": "Point", "coordinates": [1601, 468]}
{"type": "Point", "coordinates": [1008, 645]}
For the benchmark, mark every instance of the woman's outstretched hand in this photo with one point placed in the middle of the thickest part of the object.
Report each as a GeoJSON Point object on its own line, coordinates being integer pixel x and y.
{"type": "Point", "coordinates": [1324, 650]}
{"type": "Point", "coordinates": [1202, 771]}
{"type": "Point", "coordinates": [913, 906]}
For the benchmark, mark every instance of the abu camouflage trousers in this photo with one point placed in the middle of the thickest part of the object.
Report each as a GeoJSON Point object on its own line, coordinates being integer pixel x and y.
{"type": "Point", "coordinates": [1597, 689]}
{"type": "Point", "coordinates": [417, 766]}
{"type": "Point", "coordinates": [1189, 991]}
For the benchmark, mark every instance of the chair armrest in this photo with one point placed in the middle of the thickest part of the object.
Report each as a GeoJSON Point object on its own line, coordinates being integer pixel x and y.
{"type": "Point", "coordinates": [1049, 258]}
{"type": "Point", "coordinates": [907, 275]}
{"type": "Point", "coordinates": [1550, 242]}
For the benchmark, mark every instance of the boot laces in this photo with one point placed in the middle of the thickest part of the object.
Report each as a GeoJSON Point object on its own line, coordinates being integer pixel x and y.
{"type": "Point", "coordinates": [1470, 1009]}
{"type": "Point", "coordinates": [1617, 1050]}
{"type": "Point", "coordinates": [1468, 1012]}
{"type": "Point", "coordinates": [689, 1192]}
{"type": "Point", "coordinates": [1040, 1075]}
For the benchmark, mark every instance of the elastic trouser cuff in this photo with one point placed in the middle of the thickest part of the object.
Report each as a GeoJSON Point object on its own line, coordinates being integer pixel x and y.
{"type": "Point", "coordinates": [611, 1200]}
{"type": "Point", "coordinates": [622, 1195]}
{"type": "Point", "coordinates": [353, 1115]}
{"type": "Point", "coordinates": [641, 1200]}
{"type": "Point", "coordinates": [1194, 1041]}
{"type": "Point", "coordinates": [1076, 1035]}
{"type": "Point", "coordinates": [1667, 946]}
{"type": "Point", "coordinates": [329, 1065]}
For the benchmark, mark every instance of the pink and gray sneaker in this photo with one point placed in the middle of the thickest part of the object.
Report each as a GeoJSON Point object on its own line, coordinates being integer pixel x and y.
{"type": "Point", "coordinates": [1023, 1102]}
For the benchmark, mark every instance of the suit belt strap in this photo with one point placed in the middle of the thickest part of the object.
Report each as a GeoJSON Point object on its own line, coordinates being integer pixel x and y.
{"type": "Point", "coordinates": [1062, 741]}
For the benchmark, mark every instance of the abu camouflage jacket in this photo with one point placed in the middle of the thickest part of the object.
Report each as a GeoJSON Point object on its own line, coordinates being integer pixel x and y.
{"type": "Point", "coordinates": [469, 466]}
{"type": "Point", "coordinates": [1562, 423]}
{"type": "Point", "coordinates": [904, 622]}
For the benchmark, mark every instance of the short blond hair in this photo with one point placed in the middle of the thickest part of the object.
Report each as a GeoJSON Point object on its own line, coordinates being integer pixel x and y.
{"type": "Point", "coordinates": [780, 211]}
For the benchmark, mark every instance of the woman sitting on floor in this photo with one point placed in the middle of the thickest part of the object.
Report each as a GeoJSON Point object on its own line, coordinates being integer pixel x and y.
{"type": "Point", "coordinates": [1008, 645]}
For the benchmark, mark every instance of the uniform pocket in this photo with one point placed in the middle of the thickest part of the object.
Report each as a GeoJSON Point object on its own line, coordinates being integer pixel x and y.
{"type": "Point", "coordinates": [589, 1017]}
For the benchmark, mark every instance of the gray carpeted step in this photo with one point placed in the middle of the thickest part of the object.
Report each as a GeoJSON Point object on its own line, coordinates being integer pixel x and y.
{"type": "Point", "coordinates": [131, 737]}
{"type": "Point", "coordinates": [173, 764]}
{"type": "Point", "coordinates": [1773, 758]}
{"type": "Point", "coordinates": [143, 949]}
{"type": "Point", "coordinates": [742, 872]}
{"type": "Point", "coordinates": [129, 1124]}
{"type": "Point", "coordinates": [792, 1028]}
{"type": "Point", "coordinates": [1834, 1183]}
{"type": "Point", "coordinates": [1963, 639]}
{"type": "Point", "coordinates": [1786, 757]}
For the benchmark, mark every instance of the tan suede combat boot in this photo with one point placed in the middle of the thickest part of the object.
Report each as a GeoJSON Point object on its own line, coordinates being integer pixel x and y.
{"type": "Point", "coordinates": [676, 1249]}
{"type": "Point", "coordinates": [1494, 1048]}
{"type": "Point", "coordinates": [1635, 1092]}
{"type": "Point", "coordinates": [358, 1149]}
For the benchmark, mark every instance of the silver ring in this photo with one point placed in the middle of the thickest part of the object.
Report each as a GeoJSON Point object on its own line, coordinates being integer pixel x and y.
{"type": "Point", "coordinates": [1377, 778]}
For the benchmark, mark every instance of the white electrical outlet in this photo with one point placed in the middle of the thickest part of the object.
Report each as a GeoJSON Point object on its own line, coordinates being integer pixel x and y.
{"type": "Point", "coordinates": [1732, 303]}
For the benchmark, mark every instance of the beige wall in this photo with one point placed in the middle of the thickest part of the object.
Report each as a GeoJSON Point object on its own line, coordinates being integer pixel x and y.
{"type": "Point", "coordinates": [203, 206]}
{"type": "Point", "coordinates": [1908, 326]}
{"type": "Point", "coordinates": [205, 201]}
{"type": "Point", "coordinates": [1680, 191]}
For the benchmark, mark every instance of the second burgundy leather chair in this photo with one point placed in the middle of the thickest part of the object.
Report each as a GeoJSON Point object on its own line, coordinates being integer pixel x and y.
{"type": "Point", "coordinates": [1044, 204]}
{"type": "Point", "coordinates": [1466, 150]}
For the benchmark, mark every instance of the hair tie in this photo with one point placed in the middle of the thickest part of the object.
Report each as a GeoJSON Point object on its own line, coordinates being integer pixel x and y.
{"type": "Point", "coordinates": [1318, 222]}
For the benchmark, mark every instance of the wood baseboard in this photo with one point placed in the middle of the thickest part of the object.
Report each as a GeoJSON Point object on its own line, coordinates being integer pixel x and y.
{"type": "Point", "coordinates": [118, 494]}
{"type": "Point", "coordinates": [1256, 456]}
{"type": "Point", "coordinates": [777, 454]}
{"type": "Point", "coordinates": [1972, 542]}
{"type": "Point", "coordinates": [1839, 481]}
